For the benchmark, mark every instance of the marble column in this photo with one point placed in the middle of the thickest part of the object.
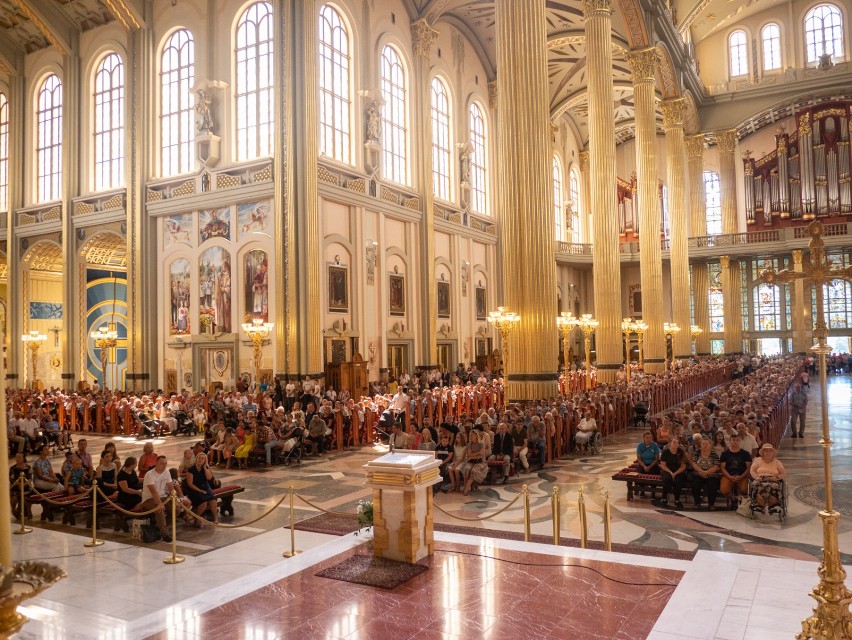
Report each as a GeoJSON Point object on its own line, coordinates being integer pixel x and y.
{"type": "Point", "coordinates": [673, 114]}
{"type": "Point", "coordinates": [801, 321]}
{"type": "Point", "coordinates": [605, 256]}
{"type": "Point", "coordinates": [585, 195]}
{"type": "Point", "coordinates": [643, 65]}
{"type": "Point", "coordinates": [727, 141]}
{"type": "Point", "coordinates": [732, 305]}
{"type": "Point", "coordinates": [528, 261]}
{"type": "Point", "coordinates": [698, 227]}
{"type": "Point", "coordinates": [423, 37]}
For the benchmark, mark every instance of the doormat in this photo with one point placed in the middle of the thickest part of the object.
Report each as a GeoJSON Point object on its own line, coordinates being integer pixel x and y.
{"type": "Point", "coordinates": [373, 572]}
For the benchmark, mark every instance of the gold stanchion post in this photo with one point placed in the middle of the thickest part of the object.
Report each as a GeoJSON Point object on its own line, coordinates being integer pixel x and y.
{"type": "Point", "coordinates": [293, 550]}
{"type": "Point", "coordinates": [175, 558]}
{"type": "Point", "coordinates": [555, 508]}
{"type": "Point", "coordinates": [584, 528]}
{"type": "Point", "coordinates": [607, 522]}
{"type": "Point", "coordinates": [526, 493]}
{"type": "Point", "coordinates": [24, 528]}
{"type": "Point", "coordinates": [94, 542]}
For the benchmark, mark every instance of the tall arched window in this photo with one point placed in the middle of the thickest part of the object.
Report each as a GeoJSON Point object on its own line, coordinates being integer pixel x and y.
{"type": "Point", "coordinates": [713, 203]}
{"type": "Point", "coordinates": [441, 142]}
{"type": "Point", "coordinates": [255, 104]}
{"type": "Point", "coordinates": [770, 37]}
{"type": "Point", "coordinates": [109, 123]}
{"type": "Point", "coordinates": [558, 217]}
{"type": "Point", "coordinates": [49, 149]}
{"type": "Point", "coordinates": [394, 117]}
{"type": "Point", "coordinates": [478, 163]}
{"type": "Point", "coordinates": [574, 195]}
{"type": "Point", "coordinates": [4, 153]}
{"type": "Point", "coordinates": [177, 130]}
{"type": "Point", "coordinates": [738, 50]}
{"type": "Point", "coordinates": [824, 32]}
{"type": "Point", "coordinates": [334, 88]}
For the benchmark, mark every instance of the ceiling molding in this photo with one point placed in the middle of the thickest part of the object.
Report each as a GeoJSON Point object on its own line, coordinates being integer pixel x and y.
{"type": "Point", "coordinates": [51, 22]}
{"type": "Point", "coordinates": [572, 36]}
{"type": "Point", "coordinates": [474, 41]}
{"type": "Point", "coordinates": [11, 56]}
{"type": "Point", "coordinates": [579, 96]}
{"type": "Point", "coordinates": [126, 15]}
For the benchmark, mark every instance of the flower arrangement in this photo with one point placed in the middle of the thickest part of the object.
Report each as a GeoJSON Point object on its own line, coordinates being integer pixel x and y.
{"type": "Point", "coordinates": [365, 514]}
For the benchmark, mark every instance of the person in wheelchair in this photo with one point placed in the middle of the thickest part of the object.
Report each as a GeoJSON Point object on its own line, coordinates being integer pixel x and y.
{"type": "Point", "coordinates": [585, 430]}
{"type": "Point", "coordinates": [767, 474]}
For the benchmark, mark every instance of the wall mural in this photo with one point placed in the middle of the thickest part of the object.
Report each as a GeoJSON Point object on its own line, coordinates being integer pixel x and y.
{"type": "Point", "coordinates": [106, 305]}
{"type": "Point", "coordinates": [177, 229]}
{"type": "Point", "coordinates": [45, 311]}
{"type": "Point", "coordinates": [214, 223]}
{"type": "Point", "coordinates": [214, 278]}
{"type": "Point", "coordinates": [179, 285]}
{"type": "Point", "coordinates": [256, 285]}
{"type": "Point", "coordinates": [253, 217]}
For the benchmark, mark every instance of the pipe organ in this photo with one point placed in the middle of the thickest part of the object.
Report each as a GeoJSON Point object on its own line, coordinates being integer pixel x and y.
{"type": "Point", "coordinates": [628, 213]}
{"type": "Point", "coordinates": [807, 175]}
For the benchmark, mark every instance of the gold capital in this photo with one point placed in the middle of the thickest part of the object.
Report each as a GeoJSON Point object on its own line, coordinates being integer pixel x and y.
{"type": "Point", "coordinates": [643, 64]}
{"type": "Point", "coordinates": [694, 145]}
{"type": "Point", "coordinates": [584, 161]}
{"type": "Point", "coordinates": [725, 261]}
{"type": "Point", "coordinates": [596, 7]}
{"type": "Point", "coordinates": [727, 140]}
{"type": "Point", "coordinates": [797, 256]}
{"type": "Point", "coordinates": [492, 94]}
{"type": "Point", "coordinates": [673, 112]}
{"type": "Point", "coordinates": [423, 36]}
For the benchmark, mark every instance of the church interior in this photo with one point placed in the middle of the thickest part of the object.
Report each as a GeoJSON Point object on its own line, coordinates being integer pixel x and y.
{"type": "Point", "coordinates": [381, 197]}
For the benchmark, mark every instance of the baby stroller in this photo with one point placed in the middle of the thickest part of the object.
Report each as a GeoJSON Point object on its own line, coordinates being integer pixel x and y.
{"type": "Point", "coordinates": [185, 424]}
{"type": "Point", "coordinates": [640, 414]}
{"type": "Point", "coordinates": [295, 453]}
{"type": "Point", "coordinates": [148, 427]}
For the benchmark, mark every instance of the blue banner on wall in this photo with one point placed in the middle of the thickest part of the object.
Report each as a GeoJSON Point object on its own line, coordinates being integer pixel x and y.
{"type": "Point", "coordinates": [45, 311]}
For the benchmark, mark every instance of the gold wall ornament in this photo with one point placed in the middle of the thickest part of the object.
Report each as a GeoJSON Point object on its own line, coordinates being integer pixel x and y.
{"type": "Point", "coordinates": [423, 36]}
{"type": "Point", "coordinates": [694, 145]}
{"type": "Point", "coordinates": [55, 362]}
{"type": "Point", "coordinates": [673, 112]}
{"type": "Point", "coordinates": [797, 257]}
{"type": "Point", "coordinates": [804, 124]}
{"type": "Point", "coordinates": [492, 94]}
{"type": "Point", "coordinates": [727, 140]}
{"type": "Point", "coordinates": [643, 64]}
{"type": "Point", "coordinates": [592, 7]}
{"type": "Point", "coordinates": [584, 161]}
{"type": "Point", "coordinates": [725, 261]}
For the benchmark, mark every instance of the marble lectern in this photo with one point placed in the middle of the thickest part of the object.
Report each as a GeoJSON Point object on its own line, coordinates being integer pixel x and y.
{"type": "Point", "coordinates": [402, 504]}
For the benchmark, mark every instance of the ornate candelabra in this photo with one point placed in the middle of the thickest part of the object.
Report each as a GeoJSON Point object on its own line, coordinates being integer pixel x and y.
{"type": "Point", "coordinates": [505, 321]}
{"type": "Point", "coordinates": [106, 339]}
{"type": "Point", "coordinates": [627, 327]}
{"type": "Point", "coordinates": [640, 327]}
{"type": "Point", "coordinates": [257, 330]}
{"type": "Point", "coordinates": [566, 322]}
{"type": "Point", "coordinates": [587, 325]}
{"type": "Point", "coordinates": [695, 331]}
{"type": "Point", "coordinates": [33, 341]}
{"type": "Point", "coordinates": [670, 329]}
{"type": "Point", "coordinates": [831, 617]}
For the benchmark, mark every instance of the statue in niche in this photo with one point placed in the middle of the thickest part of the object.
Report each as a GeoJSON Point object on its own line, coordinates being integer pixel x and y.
{"type": "Point", "coordinates": [464, 161]}
{"type": "Point", "coordinates": [202, 109]}
{"type": "Point", "coordinates": [374, 122]}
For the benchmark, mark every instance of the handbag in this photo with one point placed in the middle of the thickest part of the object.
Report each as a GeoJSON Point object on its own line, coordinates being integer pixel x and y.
{"type": "Point", "coordinates": [744, 508]}
{"type": "Point", "coordinates": [150, 533]}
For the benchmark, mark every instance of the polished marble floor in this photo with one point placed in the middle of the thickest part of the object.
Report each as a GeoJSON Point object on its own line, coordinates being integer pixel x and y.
{"type": "Point", "coordinates": [123, 590]}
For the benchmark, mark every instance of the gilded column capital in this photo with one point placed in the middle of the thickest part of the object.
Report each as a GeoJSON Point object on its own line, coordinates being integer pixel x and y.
{"type": "Point", "coordinates": [584, 161]}
{"type": "Point", "coordinates": [554, 130]}
{"type": "Point", "coordinates": [673, 113]}
{"type": "Point", "coordinates": [492, 94]}
{"type": "Point", "coordinates": [727, 140]}
{"type": "Point", "coordinates": [643, 64]}
{"type": "Point", "coordinates": [423, 36]}
{"type": "Point", "coordinates": [797, 259]}
{"type": "Point", "coordinates": [596, 7]}
{"type": "Point", "coordinates": [694, 145]}
{"type": "Point", "coordinates": [725, 261]}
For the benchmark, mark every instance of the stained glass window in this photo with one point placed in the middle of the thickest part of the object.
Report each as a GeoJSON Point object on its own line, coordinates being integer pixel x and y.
{"type": "Point", "coordinates": [4, 152]}
{"type": "Point", "coordinates": [441, 142]}
{"type": "Point", "coordinates": [767, 299]}
{"type": "Point", "coordinates": [744, 293]}
{"type": "Point", "coordinates": [394, 117]}
{"type": "Point", "coordinates": [713, 203]}
{"type": "Point", "coordinates": [824, 32]}
{"type": "Point", "coordinates": [177, 103]}
{"type": "Point", "coordinates": [334, 107]}
{"type": "Point", "coordinates": [478, 175]}
{"type": "Point", "coordinates": [109, 123]}
{"type": "Point", "coordinates": [556, 174]}
{"type": "Point", "coordinates": [49, 137]}
{"type": "Point", "coordinates": [837, 296]}
{"type": "Point", "coordinates": [717, 347]}
{"type": "Point", "coordinates": [255, 104]}
{"type": "Point", "coordinates": [715, 299]}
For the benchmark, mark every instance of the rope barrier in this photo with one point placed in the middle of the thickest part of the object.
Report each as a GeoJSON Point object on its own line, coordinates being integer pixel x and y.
{"type": "Point", "coordinates": [489, 516]}
{"type": "Point", "coordinates": [233, 526]}
{"type": "Point", "coordinates": [319, 508]}
{"type": "Point", "coordinates": [134, 514]}
{"type": "Point", "coordinates": [62, 503]}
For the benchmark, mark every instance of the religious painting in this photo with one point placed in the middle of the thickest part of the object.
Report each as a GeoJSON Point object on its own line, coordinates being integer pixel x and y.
{"type": "Point", "coordinates": [256, 285]}
{"type": "Point", "coordinates": [443, 299]}
{"type": "Point", "coordinates": [171, 381]}
{"type": "Point", "coordinates": [396, 294]}
{"type": "Point", "coordinates": [45, 311]}
{"type": "Point", "coordinates": [177, 229]}
{"type": "Point", "coordinates": [481, 304]}
{"type": "Point", "coordinates": [338, 351]}
{"type": "Point", "coordinates": [338, 289]}
{"type": "Point", "coordinates": [179, 291]}
{"type": "Point", "coordinates": [214, 223]}
{"type": "Point", "coordinates": [214, 283]}
{"type": "Point", "coordinates": [254, 217]}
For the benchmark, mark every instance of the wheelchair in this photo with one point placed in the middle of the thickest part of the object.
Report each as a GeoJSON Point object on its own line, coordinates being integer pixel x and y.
{"type": "Point", "coordinates": [593, 445]}
{"type": "Point", "coordinates": [781, 512]}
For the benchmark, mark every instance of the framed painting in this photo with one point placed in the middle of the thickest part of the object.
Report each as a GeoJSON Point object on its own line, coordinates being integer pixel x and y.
{"type": "Point", "coordinates": [338, 289]}
{"type": "Point", "coordinates": [396, 294]}
{"type": "Point", "coordinates": [481, 304]}
{"type": "Point", "coordinates": [443, 299]}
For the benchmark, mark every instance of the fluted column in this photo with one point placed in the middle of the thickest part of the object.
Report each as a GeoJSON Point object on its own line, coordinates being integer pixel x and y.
{"type": "Point", "coordinates": [585, 194]}
{"type": "Point", "coordinates": [528, 265]}
{"type": "Point", "coordinates": [606, 263]}
{"type": "Point", "coordinates": [732, 311]}
{"type": "Point", "coordinates": [727, 141]}
{"type": "Point", "coordinates": [673, 113]}
{"type": "Point", "coordinates": [800, 307]}
{"type": "Point", "coordinates": [643, 65]}
{"type": "Point", "coordinates": [698, 227]}
{"type": "Point", "coordinates": [423, 36]}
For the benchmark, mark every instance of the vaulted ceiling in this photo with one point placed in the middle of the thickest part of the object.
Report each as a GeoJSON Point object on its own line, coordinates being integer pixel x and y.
{"type": "Point", "coordinates": [706, 17]}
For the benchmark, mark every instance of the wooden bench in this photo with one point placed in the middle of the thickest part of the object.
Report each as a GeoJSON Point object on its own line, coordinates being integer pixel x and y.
{"type": "Point", "coordinates": [636, 479]}
{"type": "Point", "coordinates": [225, 495]}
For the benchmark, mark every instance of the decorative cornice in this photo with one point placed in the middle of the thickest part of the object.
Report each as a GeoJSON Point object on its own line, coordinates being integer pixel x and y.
{"type": "Point", "coordinates": [673, 112]}
{"type": "Point", "coordinates": [694, 145]}
{"type": "Point", "coordinates": [122, 13]}
{"type": "Point", "coordinates": [25, 10]}
{"type": "Point", "coordinates": [727, 140]}
{"type": "Point", "coordinates": [725, 261]}
{"type": "Point", "coordinates": [423, 37]}
{"type": "Point", "coordinates": [596, 7]}
{"type": "Point", "coordinates": [643, 64]}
